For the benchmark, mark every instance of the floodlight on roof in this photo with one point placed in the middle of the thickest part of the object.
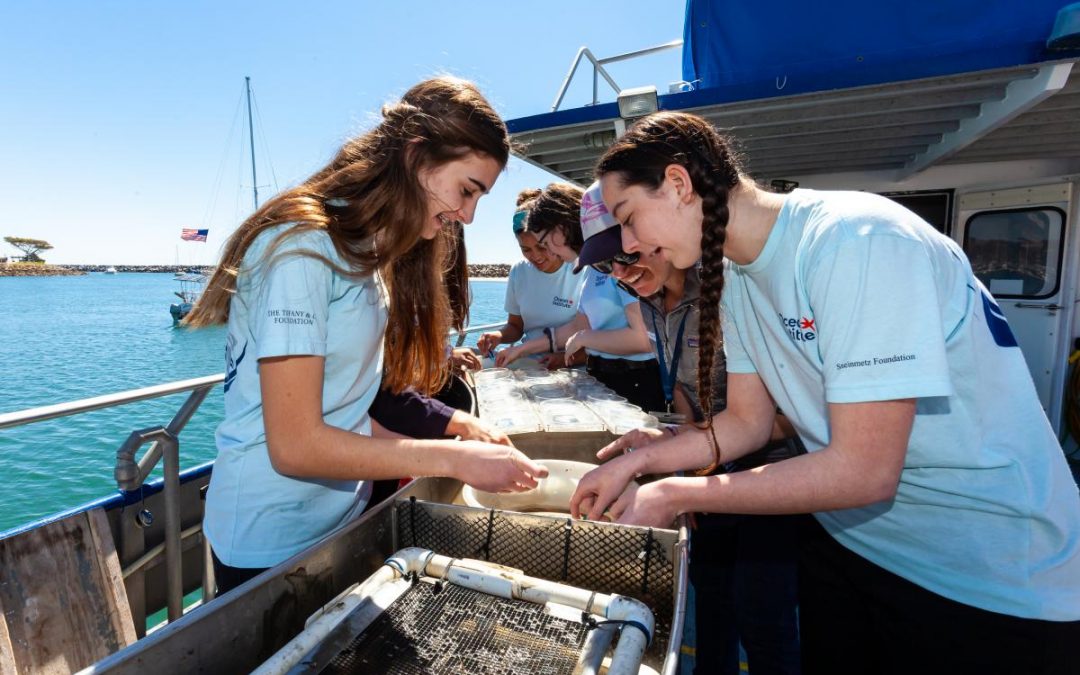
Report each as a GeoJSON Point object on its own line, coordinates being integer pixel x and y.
{"type": "Point", "coordinates": [637, 102]}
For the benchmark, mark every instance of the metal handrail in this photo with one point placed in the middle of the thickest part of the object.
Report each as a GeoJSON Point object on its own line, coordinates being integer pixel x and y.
{"type": "Point", "coordinates": [599, 70]}
{"type": "Point", "coordinates": [130, 473]}
{"type": "Point", "coordinates": [48, 412]}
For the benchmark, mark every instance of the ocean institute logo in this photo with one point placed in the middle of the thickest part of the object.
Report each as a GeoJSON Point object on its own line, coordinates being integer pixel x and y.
{"type": "Point", "coordinates": [800, 329]}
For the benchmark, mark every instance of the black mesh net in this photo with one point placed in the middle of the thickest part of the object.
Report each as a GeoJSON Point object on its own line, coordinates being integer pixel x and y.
{"type": "Point", "coordinates": [458, 630]}
{"type": "Point", "coordinates": [598, 557]}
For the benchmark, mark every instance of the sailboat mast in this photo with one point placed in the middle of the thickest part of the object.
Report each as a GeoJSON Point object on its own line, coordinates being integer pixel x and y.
{"type": "Point", "coordinates": [251, 139]}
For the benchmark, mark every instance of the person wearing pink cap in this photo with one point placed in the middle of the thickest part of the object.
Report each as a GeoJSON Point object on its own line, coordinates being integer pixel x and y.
{"type": "Point", "coordinates": [608, 326]}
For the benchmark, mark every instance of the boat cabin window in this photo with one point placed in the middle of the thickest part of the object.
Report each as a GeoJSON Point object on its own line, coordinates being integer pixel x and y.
{"type": "Point", "coordinates": [1016, 253]}
{"type": "Point", "coordinates": [933, 207]}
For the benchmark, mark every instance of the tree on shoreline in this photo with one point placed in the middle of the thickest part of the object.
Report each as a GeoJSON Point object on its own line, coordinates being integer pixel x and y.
{"type": "Point", "coordinates": [29, 247]}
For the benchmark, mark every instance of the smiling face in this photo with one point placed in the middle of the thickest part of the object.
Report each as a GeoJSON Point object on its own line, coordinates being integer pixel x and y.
{"type": "Point", "coordinates": [454, 188]}
{"type": "Point", "coordinates": [555, 242]}
{"type": "Point", "coordinates": [647, 276]}
{"type": "Point", "coordinates": [668, 218]}
{"type": "Point", "coordinates": [537, 254]}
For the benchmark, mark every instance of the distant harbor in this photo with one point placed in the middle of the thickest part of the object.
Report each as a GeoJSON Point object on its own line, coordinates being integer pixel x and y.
{"type": "Point", "coordinates": [482, 271]}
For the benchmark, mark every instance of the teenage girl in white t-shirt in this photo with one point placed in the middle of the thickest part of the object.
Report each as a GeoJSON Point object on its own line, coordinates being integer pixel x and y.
{"type": "Point", "coordinates": [311, 286]}
{"type": "Point", "coordinates": [949, 537]}
{"type": "Point", "coordinates": [542, 290]}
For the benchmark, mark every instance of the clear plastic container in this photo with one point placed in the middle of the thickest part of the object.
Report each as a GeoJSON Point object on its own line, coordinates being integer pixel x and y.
{"type": "Point", "coordinates": [605, 396]}
{"type": "Point", "coordinates": [491, 374]}
{"type": "Point", "coordinates": [547, 392]}
{"type": "Point", "coordinates": [622, 424]}
{"type": "Point", "coordinates": [513, 420]}
{"type": "Point", "coordinates": [569, 416]}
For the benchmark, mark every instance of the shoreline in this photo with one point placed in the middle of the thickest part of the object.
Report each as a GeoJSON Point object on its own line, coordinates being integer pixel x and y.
{"type": "Point", "coordinates": [480, 272]}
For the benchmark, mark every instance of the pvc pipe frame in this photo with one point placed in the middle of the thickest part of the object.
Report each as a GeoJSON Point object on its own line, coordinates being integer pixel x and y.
{"type": "Point", "coordinates": [486, 578]}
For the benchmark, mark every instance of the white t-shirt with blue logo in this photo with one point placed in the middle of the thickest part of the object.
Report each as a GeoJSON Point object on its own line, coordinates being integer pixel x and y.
{"type": "Point", "coordinates": [256, 517]}
{"type": "Point", "coordinates": [542, 299]}
{"type": "Point", "coordinates": [853, 299]}
{"type": "Point", "coordinates": [604, 304]}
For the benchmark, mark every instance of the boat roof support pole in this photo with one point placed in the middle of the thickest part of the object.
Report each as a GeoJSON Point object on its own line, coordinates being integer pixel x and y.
{"type": "Point", "coordinates": [597, 67]}
{"type": "Point", "coordinates": [1020, 96]}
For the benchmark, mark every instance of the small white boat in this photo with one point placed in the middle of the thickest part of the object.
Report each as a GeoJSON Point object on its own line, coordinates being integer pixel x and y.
{"type": "Point", "coordinates": [110, 270]}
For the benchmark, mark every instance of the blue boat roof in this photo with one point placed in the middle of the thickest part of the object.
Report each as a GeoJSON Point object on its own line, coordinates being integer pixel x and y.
{"type": "Point", "coordinates": [879, 65]}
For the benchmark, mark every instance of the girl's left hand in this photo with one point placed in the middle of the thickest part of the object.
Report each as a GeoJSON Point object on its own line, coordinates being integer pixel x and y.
{"type": "Point", "coordinates": [644, 505]}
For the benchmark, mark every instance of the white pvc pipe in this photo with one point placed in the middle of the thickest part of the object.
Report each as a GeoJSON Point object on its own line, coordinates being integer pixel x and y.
{"type": "Point", "coordinates": [479, 576]}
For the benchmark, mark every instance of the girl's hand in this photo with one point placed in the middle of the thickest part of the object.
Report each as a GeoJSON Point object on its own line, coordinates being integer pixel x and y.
{"type": "Point", "coordinates": [507, 356]}
{"type": "Point", "coordinates": [574, 343]}
{"type": "Point", "coordinates": [646, 506]}
{"type": "Point", "coordinates": [495, 468]}
{"type": "Point", "coordinates": [600, 487]}
{"type": "Point", "coordinates": [552, 361]}
{"type": "Point", "coordinates": [472, 428]}
{"type": "Point", "coordinates": [464, 358]}
{"type": "Point", "coordinates": [488, 341]}
{"type": "Point", "coordinates": [632, 440]}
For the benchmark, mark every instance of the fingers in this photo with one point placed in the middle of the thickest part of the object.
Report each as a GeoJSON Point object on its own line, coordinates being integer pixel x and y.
{"type": "Point", "coordinates": [576, 509]}
{"type": "Point", "coordinates": [503, 358]}
{"type": "Point", "coordinates": [531, 467]}
{"type": "Point", "coordinates": [581, 501]}
{"type": "Point", "coordinates": [472, 362]}
{"type": "Point", "coordinates": [599, 506]}
{"type": "Point", "coordinates": [615, 448]}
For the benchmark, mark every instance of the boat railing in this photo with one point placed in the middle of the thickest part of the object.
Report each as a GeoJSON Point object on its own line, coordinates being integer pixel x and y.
{"type": "Point", "coordinates": [164, 445]}
{"type": "Point", "coordinates": [599, 70]}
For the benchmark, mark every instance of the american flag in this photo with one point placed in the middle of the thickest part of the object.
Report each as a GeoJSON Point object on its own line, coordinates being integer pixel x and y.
{"type": "Point", "coordinates": [194, 235]}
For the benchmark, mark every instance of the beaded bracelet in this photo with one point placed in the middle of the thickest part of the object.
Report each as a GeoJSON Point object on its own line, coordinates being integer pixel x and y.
{"type": "Point", "coordinates": [714, 446]}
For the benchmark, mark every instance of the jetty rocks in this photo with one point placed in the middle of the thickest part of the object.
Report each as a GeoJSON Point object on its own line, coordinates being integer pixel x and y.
{"type": "Point", "coordinates": [490, 271]}
{"type": "Point", "coordinates": [21, 269]}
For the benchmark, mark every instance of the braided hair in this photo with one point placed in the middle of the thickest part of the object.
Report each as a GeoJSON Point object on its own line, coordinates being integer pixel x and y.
{"type": "Point", "coordinates": [641, 157]}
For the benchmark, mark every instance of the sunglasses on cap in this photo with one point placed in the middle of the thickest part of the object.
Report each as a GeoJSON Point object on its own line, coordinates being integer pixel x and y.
{"type": "Point", "coordinates": [606, 266]}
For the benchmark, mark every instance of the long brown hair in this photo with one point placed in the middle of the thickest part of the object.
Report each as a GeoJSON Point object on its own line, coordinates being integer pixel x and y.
{"type": "Point", "coordinates": [558, 206]}
{"type": "Point", "coordinates": [370, 202]}
{"type": "Point", "coordinates": [457, 276]}
{"type": "Point", "coordinates": [640, 158]}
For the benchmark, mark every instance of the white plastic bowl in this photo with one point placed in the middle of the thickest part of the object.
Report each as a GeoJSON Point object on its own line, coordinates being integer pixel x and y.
{"type": "Point", "coordinates": [551, 495]}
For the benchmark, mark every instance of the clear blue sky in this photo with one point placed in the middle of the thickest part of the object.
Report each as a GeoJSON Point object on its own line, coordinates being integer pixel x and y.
{"type": "Point", "coordinates": [115, 116]}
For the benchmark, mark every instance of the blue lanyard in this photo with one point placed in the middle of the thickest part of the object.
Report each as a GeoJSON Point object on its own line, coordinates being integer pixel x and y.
{"type": "Point", "coordinates": [667, 379]}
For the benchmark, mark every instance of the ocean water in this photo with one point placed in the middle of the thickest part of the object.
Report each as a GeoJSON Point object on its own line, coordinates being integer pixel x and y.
{"type": "Point", "coordinates": [69, 338]}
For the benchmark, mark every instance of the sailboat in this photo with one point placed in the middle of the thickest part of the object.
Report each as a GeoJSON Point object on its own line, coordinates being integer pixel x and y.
{"type": "Point", "coordinates": [193, 281]}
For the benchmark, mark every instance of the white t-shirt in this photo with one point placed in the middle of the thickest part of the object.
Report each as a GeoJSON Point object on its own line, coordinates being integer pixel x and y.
{"type": "Point", "coordinates": [604, 304]}
{"type": "Point", "coordinates": [256, 517]}
{"type": "Point", "coordinates": [854, 298]}
{"type": "Point", "coordinates": [542, 299]}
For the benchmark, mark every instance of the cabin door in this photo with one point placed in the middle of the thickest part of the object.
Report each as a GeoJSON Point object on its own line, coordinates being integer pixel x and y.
{"type": "Point", "coordinates": [1015, 240]}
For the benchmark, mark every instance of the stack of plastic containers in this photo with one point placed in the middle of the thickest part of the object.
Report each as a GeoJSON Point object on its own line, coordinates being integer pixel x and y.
{"type": "Point", "coordinates": [564, 400]}
{"type": "Point", "coordinates": [503, 404]}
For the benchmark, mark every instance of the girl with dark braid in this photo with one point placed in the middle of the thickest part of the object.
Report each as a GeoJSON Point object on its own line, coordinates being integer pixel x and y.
{"type": "Point", "coordinates": [946, 531]}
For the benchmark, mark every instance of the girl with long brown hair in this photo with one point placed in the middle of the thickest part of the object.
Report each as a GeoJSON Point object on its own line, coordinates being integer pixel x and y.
{"type": "Point", "coordinates": [328, 290]}
{"type": "Point", "coordinates": [947, 531]}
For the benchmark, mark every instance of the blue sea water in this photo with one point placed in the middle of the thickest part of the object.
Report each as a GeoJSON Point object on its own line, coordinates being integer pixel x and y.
{"type": "Point", "coordinates": [69, 338]}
